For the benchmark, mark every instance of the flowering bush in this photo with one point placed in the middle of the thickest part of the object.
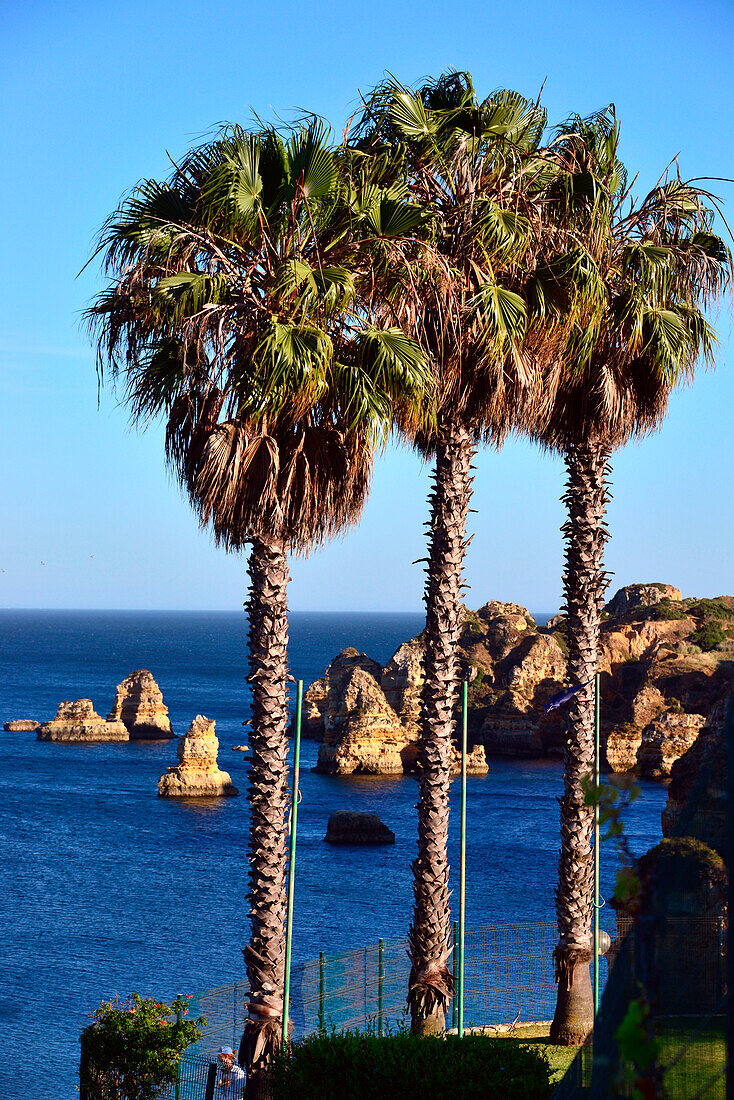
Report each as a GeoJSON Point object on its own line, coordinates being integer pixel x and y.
{"type": "Point", "coordinates": [131, 1048]}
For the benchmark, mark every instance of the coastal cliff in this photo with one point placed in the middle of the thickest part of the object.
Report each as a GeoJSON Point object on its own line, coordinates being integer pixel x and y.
{"type": "Point", "coordinates": [665, 662]}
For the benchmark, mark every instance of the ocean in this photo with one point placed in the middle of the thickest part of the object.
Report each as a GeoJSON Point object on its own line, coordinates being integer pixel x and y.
{"type": "Point", "coordinates": [109, 889]}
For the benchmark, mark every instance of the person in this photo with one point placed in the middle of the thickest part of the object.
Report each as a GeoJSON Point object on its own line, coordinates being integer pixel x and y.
{"type": "Point", "coordinates": [230, 1077]}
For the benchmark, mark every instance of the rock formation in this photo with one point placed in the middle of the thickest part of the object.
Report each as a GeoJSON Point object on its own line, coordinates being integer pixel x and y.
{"type": "Point", "coordinates": [21, 725]}
{"type": "Point", "coordinates": [77, 720]}
{"type": "Point", "coordinates": [641, 595]}
{"type": "Point", "coordinates": [658, 685]}
{"type": "Point", "coordinates": [197, 774]}
{"type": "Point", "coordinates": [139, 706]}
{"type": "Point", "coordinates": [345, 827]}
{"type": "Point", "coordinates": [362, 733]}
{"type": "Point", "coordinates": [697, 795]}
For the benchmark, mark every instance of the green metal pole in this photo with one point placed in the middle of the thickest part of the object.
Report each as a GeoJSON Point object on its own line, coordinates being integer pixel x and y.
{"type": "Point", "coordinates": [322, 984]}
{"type": "Point", "coordinates": [462, 861]}
{"type": "Point", "coordinates": [455, 1005]}
{"type": "Point", "coordinates": [292, 860]}
{"type": "Point", "coordinates": [380, 977]}
{"type": "Point", "coordinates": [595, 936]}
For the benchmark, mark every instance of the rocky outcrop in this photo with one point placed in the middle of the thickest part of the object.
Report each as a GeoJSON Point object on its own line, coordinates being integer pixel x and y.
{"type": "Point", "coordinates": [77, 720]}
{"type": "Point", "coordinates": [315, 698]}
{"type": "Point", "coordinates": [665, 740]}
{"type": "Point", "coordinates": [362, 733]}
{"type": "Point", "coordinates": [345, 827]}
{"type": "Point", "coordinates": [21, 725]}
{"type": "Point", "coordinates": [697, 795]}
{"type": "Point", "coordinates": [139, 706]}
{"type": "Point", "coordinates": [402, 682]}
{"type": "Point", "coordinates": [197, 774]}
{"type": "Point", "coordinates": [641, 595]}
{"type": "Point", "coordinates": [658, 685]}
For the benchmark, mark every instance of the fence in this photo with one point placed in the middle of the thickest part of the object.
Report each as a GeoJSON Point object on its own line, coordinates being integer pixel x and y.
{"type": "Point", "coordinates": [509, 976]}
{"type": "Point", "coordinates": [680, 962]}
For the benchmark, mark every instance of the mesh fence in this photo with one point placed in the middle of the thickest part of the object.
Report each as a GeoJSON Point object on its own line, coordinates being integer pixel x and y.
{"type": "Point", "coordinates": [680, 963]}
{"type": "Point", "coordinates": [509, 976]}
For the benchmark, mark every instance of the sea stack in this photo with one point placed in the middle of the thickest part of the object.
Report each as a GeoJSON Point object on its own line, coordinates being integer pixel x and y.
{"type": "Point", "coordinates": [77, 720]}
{"type": "Point", "coordinates": [197, 774]}
{"type": "Point", "coordinates": [21, 725]}
{"type": "Point", "coordinates": [139, 706]}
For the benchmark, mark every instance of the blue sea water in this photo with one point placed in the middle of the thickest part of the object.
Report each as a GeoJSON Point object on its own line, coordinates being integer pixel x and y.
{"type": "Point", "coordinates": [109, 889]}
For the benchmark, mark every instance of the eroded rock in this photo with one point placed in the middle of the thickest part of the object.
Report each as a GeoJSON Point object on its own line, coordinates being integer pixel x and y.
{"type": "Point", "coordinates": [21, 725]}
{"type": "Point", "coordinates": [197, 774]}
{"type": "Point", "coordinates": [77, 720]}
{"type": "Point", "coordinates": [346, 827]}
{"type": "Point", "coordinates": [362, 733]}
{"type": "Point", "coordinates": [139, 706]}
{"type": "Point", "coordinates": [649, 663]}
{"type": "Point", "coordinates": [641, 595]}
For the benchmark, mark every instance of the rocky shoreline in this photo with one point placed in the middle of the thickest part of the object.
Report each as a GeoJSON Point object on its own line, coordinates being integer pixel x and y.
{"type": "Point", "coordinates": [665, 663]}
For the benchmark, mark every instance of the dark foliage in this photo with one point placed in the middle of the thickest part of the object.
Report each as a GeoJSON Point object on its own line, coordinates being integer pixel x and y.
{"type": "Point", "coordinates": [709, 636]}
{"type": "Point", "coordinates": [365, 1067]}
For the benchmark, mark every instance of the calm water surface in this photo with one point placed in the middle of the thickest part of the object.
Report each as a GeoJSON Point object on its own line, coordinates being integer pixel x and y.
{"type": "Point", "coordinates": [109, 889]}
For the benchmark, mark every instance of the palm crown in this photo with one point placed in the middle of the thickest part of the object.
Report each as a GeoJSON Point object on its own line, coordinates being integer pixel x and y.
{"type": "Point", "coordinates": [237, 311]}
{"type": "Point", "coordinates": [476, 166]}
{"type": "Point", "coordinates": [633, 279]}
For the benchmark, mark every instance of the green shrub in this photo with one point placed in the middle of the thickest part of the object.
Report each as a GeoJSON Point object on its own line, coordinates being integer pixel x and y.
{"type": "Point", "coordinates": [710, 609]}
{"type": "Point", "coordinates": [131, 1048]}
{"type": "Point", "coordinates": [709, 636]}
{"type": "Point", "coordinates": [666, 610]}
{"type": "Point", "coordinates": [353, 1066]}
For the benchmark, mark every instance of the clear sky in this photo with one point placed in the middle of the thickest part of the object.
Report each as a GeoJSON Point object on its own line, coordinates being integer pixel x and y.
{"type": "Point", "coordinates": [93, 96]}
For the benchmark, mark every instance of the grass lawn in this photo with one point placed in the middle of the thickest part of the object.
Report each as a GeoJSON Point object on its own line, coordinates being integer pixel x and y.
{"type": "Point", "coordinates": [537, 1035]}
{"type": "Point", "coordinates": [694, 1056]}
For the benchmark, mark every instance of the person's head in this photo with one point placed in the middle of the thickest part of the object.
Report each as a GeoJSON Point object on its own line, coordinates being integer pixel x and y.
{"type": "Point", "coordinates": [226, 1056]}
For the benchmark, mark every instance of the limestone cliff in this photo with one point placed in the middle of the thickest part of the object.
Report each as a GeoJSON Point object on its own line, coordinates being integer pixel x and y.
{"type": "Point", "coordinates": [197, 774]}
{"type": "Point", "coordinates": [665, 662]}
{"type": "Point", "coordinates": [364, 733]}
{"type": "Point", "coordinates": [77, 720]}
{"type": "Point", "coordinates": [697, 795]}
{"type": "Point", "coordinates": [139, 706]}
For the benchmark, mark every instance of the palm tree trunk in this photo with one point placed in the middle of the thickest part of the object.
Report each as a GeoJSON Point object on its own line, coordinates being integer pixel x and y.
{"type": "Point", "coordinates": [431, 983]}
{"type": "Point", "coordinates": [268, 797]}
{"type": "Point", "coordinates": [585, 582]}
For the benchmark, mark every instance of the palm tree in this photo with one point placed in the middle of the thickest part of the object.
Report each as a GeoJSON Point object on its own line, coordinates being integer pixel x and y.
{"type": "Point", "coordinates": [474, 166]}
{"type": "Point", "coordinates": [235, 311]}
{"type": "Point", "coordinates": [634, 279]}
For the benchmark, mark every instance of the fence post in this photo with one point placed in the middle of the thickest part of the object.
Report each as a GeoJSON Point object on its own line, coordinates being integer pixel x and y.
{"type": "Point", "coordinates": [462, 858]}
{"type": "Point", "coordinates": [292, 861]}
{"type": "Point", "coordinates": [177, 1086]}
{"type": "Point", "coordinates": [455, 966]}
{"type": "Point", "coordinates": [322, 976]}
{"type": "Point", "coordinates": [83, 1072]}
{"type": "Point", "coordinates": [380, 976]}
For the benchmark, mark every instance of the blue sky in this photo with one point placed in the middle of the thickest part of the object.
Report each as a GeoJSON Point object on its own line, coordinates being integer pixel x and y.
{"type": "Point", "coordinates": [95, 95]}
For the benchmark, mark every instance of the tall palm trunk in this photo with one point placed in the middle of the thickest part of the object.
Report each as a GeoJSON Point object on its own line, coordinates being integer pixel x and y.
{"type": "Point", "coordinates": [431, 984]}
{"type": "Point", "coordinates": [268, 797]}
{"type": "Point", "coordinates": [584, 584]}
